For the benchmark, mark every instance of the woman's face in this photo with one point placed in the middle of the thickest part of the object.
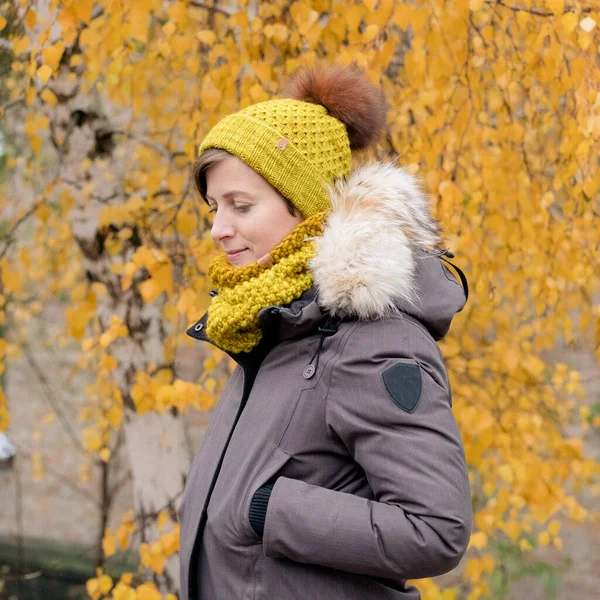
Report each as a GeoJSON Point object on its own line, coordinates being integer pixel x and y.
{"type": "Point", "coordinates": [250, 216]}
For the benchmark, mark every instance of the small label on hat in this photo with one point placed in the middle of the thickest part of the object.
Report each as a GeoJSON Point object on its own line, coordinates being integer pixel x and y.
{"type": "Point", "coordinates": [282, 143]}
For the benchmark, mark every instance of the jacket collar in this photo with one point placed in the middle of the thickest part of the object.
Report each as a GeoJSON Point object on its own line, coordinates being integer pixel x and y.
{"type": "Point", "coordinates": [278, 323]}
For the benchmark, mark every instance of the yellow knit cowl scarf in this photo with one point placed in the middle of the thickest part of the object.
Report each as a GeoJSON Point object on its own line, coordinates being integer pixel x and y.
{"type": "Point", "coordinates": [243, 292]}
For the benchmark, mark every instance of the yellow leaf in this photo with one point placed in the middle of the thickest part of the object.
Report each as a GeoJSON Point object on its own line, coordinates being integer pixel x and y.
{"type": "Point", "coordinates": [186, 223]}
{"type": "Point", "coordinates": [105, 584]}
{"type": "Point", "coordinates": [206, 36]}
{"type": "Point", "coordinates": [139, 14]}
{"type": "Point", "coordinates": [524, 545]}
{"type": "Point", "coordinates": [257, 93]}
{"type": "Point", "coordinates": [176, 182]}
{"type": "Point", "coordinates": [554, 527]}
{"type": "Point", "coordinates": [163, 275]}
{"type": "Point", "coordinates": [584, 39]}
{"type": "Point", "coordinates": [512, 529]}
{"type": "Point", "coordinates": [20, 45]}
{"type": "Point", "coordinates": [115, 416]}
{"type": "Point", "coordinates": [92, 587]}
{"type": "Point", "coordinates": [506, 473]}
{"type": "Point", "coordinates": [108, 543]}
{"type": "Point", "coordinates": [170, 542]}
{"type": "Point", "coordinates": [147, 591]}
{"type": "Point", "coordinates": [105, 454]}
{"type": "Point", "coordinates": [210, 95]}
{"type": "Point", "coordinates": [36, 144]}
{"type": "Point", "coordinates": [2, 22]}
{"type": "Point", "coordinates": [108, 362]}
{"type": "Point", "coordinates": [370, 33]}
{"type": "Point", "coordinates": [162, 520]}
{"type": "Point", "coordinates": [4, 418]}
{"type": "Point", "coordinates": [569, 21]}
{"type": "Point", "coordinates": [556, 6]}
{"type": "Point", "coordinates": [169, 28]}
{"type": "Point", "coordinates": [478, 540]}
{"type": "Point", "coordinates": [49, 97]}
{"type": "Point", "coordinates": [126, 578]}
{"type": "Point", "coordinates": [49, 418]}
{"type": "Point", "coordinates": [67, 18]}
{"type": "Point", "coordinates": [150, 290]}
{"type": "Point", "coordinates": [83, 9]}
{"type": "Point", "coordinates": [544, 538]}
{"type": "Point", "coordinates": [30, 19]}
{"type": "Point", "coordinates": [354, 16]}
{"type": "Point", "coordinates": [475, 5]}
{"type": "Point", "coordinates": [51, 55]}
{"type": "Point", "coordinates": [44, 73]}
{"type": "Point", "coordinates": [123, 591]}
{"type": "Point", "coordinates": [92, 439]}
{"type": "Point", "coordinates": [124, 531]}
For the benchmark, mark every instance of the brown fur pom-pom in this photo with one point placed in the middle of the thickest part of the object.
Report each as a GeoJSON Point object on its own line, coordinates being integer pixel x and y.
{"type": "Point", "coordinates": [348, 96]}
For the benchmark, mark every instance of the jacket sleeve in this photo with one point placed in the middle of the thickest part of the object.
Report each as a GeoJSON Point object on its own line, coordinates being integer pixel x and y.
{"type": "Point", "coordinates": [420, 521]}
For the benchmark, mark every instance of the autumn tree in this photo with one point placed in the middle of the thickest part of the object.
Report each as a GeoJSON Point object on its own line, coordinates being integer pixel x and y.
{"type": "Point", "coordinates": [495, 104]}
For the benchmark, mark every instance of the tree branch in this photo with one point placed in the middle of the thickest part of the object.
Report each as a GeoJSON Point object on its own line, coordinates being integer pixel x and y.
{"type": "Point", "coordinates": [62, 478]}
{"type": "Point", "coordinates": [225, 10]}
{"type": "Point", "coordinates": [11, 104]}
{"type": "Point", "coordinates": [11, 233]}
{"type": "Point", "coordinates": [54, 404]}
{"type": "Point", "coordinates": [535, 11]}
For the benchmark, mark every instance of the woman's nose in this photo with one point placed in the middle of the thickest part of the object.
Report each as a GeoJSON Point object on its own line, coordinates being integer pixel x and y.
{"type": "Point", "coordinates": [221, 228]}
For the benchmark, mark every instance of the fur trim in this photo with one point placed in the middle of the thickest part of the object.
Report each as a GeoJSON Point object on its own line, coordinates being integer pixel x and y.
{"type": "Point", "coordinates": [365, 260]}
{"type": "Point", "coordinates": [348, 95]}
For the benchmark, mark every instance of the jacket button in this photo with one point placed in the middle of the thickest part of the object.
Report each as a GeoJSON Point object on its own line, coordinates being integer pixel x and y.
{"type": "Point", "coordinates": [198, 327]}
{"type": "Point", "coordinates": [308, 372]}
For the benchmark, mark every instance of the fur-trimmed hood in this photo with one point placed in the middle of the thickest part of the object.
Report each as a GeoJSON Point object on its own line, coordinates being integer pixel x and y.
{"type": "Point", "coordinates": [376, 255]}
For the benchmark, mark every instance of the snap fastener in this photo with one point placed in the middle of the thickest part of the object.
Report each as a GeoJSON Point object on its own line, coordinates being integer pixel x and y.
{"type": "Point", "coordinates": [198, 327]}
{"type": "Point", "coordinates": [282, 143]}
{"type": "Point", "coordinates": [309, 372]}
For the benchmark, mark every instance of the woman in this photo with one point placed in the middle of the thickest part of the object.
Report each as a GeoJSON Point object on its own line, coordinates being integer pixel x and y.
{"type": "Point", "coordinates": [332, 466]}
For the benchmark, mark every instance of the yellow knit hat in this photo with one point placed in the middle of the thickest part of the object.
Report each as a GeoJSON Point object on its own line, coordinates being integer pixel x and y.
{"type": "Point", "coordinates": [303, 143]}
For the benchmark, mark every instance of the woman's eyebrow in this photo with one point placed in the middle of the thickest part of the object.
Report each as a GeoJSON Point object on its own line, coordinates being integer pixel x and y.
{"type": "Point", "coordinates": [229, 194]}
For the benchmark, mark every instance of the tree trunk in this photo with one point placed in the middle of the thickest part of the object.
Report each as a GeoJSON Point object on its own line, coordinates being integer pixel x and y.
{"type": "Point", "coordinates": [155, 442]}
{"type": "Point", "coordinates": [159, 461]}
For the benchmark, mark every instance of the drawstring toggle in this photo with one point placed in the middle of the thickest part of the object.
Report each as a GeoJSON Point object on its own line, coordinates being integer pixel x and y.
{"type": "Point", "coordinates": [330, 328]}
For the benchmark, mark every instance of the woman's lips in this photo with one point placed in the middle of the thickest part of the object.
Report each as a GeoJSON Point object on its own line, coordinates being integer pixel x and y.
{"type": "Point", "coordinates": [235, 253]}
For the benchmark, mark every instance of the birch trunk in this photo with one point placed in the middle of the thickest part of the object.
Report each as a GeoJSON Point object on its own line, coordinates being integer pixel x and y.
{"type": "Point", "coordinates": [155, 442]}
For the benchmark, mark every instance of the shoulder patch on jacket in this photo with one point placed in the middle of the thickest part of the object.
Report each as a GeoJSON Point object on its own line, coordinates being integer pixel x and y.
{"type": "Point", "coordinates": [403, 383]}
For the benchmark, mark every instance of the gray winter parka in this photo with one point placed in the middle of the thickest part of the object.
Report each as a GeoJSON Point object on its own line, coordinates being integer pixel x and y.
{"type": "Point", "coordinates": [348, 419]}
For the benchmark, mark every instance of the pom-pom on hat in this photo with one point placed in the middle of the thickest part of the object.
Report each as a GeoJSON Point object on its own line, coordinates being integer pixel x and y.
{"type": "Point", "coordinates": [302, 143]}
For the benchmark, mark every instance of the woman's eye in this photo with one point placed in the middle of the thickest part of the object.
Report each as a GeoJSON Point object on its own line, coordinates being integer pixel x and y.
{"type": "Point", "coordinates": [242, 208]}
{"type": "Point", "coordinates": [212, 209]}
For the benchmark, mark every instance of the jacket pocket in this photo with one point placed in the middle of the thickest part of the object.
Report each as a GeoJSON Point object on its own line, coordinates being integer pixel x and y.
{"type": "Point", "coordinates": [273, 466]}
